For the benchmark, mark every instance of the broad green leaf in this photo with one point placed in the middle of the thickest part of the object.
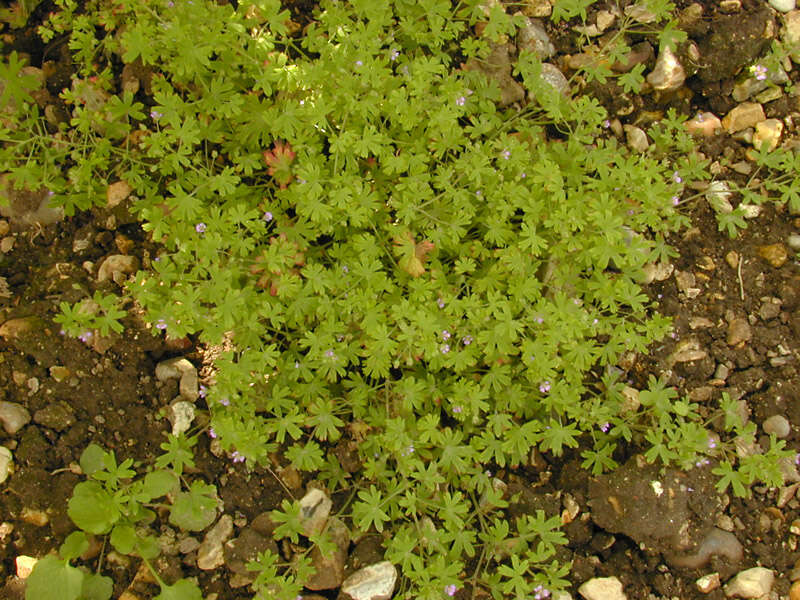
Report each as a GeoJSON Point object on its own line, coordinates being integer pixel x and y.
{"type": "Point", "coordinates": [159, 483]}
{"type": "Point", "coordinates": [182, 590]}
{"type": "Point", "coordinates": [96, 587]}
{"type": "Point", "coordinates": [92, 459]}
{"type": "Point", "coordinates": [92, 508]}
{"type": "Point", "coordinates": [75, 545]}
{"type": "Point", "coordinates": [196, 509]}
{"type": "Point", "coordinates": [123, 538]}
{"type": "Point", "coordinates": [53, 579]}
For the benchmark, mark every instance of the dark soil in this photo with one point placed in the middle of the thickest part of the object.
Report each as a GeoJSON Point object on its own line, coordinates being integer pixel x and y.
{"type": "Point", "coordinates": [105, 391]}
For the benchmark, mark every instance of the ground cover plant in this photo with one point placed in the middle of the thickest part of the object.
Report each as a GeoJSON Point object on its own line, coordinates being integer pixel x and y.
{"type": "Point", "coordinates": [387, 255]}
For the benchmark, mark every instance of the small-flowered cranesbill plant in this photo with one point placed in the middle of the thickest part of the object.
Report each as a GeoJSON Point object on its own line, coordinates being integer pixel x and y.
{"type": "Point", "coordinates": [392, 259]}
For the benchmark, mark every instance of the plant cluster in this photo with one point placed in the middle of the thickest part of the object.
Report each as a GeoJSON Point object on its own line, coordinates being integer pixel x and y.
{"type": "Point", "coordinates": [110, 503]}
{"type": "Point", "coordinates": [393, 259]}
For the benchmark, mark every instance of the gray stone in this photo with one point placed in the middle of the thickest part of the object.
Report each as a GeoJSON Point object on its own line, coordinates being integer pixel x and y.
{"type": "Point", "coordinates": [5, 463]}
{"type": "Point", "coordinates": [777, 425]}
{"type": "Point", "coordinates": [636, 138]}
{"type": "Point", "coordinates": [210, 554]}
{"type": "Point", "coordinates": [117, 267]}
{"type": "Point", "coordinates": [553, 77]}
{"type": "Point", "coordinates": [746, 114]}
{"type": "Point", "coordinates": [750, 583]}
{"type": "Point", "coordinates": [175, 368]}
{"type": "Point", "coordinates": [790, 35]}
{"type": "Point", "coordinates": [783, 6]}
{"type": "Point", "coordinates": [739, 332]}
{"type": "Point", "coordinates": [534, 38]}
{"type": "Point", "coordinates": [668, 74]}
{"type": "Point", "coordinates": [718, 195]}
{"type": "Point", "coordinates": [329, 569]}
{"type": "Point", "coordinates": [375, 582]}
{"type": "Point", "coordinates": [602, 588]}
{"type": "Point", "coordinates": [181, 416]}
{"type": "Point", "coordinates": [13, 416]}
{"type": "Point", "coordinates": [58, 416]}
{"type": "Point", "coordinates": [315, 507]}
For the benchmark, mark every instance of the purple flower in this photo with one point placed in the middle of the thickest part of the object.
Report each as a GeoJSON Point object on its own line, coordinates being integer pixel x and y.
{"type": "Point", "coordinates": [540, 593]}
{"type": "Point", "coordinates": [466, 340]}
{"type": "Point", "coordinates": [211, 433]}
{"type": "Point", "coordinates": [461, 100]}
{"type": "Point", "coordinates": [345, 269]}
{"type": "Point", "coordinates": [797, 458]}
{"type": "Point", "coordinates": [606, 124]}
{"type": "Point", "coordinates": [457, 409]}
{"type": "Point", "coordinates": [50, 193]}
{"type": "Point", "coordinates": [440, 302]}
{"type": "Point", "coordinates": [267, 216]}
{"type": "Point", "coordinates": [605, 427]}
{"type": "Point", "coordinates": [712, 443]}
{"type": "Point", "coordinates": [445, 335]}
{"type": "Point", "coordinates": [359, 63]}
{"type": "Point", "coordinates": [155, 115]}
{"type": "Point", "coordinates": [161, 324]}
{"type": "Point", "coordinates": [523, 175]}
{"type": "Point", "coordinates": [760, 71]}
{"type": "Point", "coordinates": [202, 391]}
{"type": "Point", "coordinates": [409, 451]}
{"type": "Point", "coordinates": [445, 348]}
{"type": "Point", "coordinates": [394, 54]}
{"type": "Point", "coordinates": [675, 201]}
{"type": "Point", "coordinates": [200, 228]}
{"type": "Point", "coordinates": [677, 178]}
{"type": "Point", "coordinates": [450, 590]}
{"type": "Point", "coordinates": [330, 354]}
{"type": "Point", "coordinates": [506, 154]}
{"type": "Point", "coordinates": [544, 387]}
{"type": "Point", "coordinates": [85, 336]}
{"type": "Point", "coordinates": [236, 457]}
{"type": "Point", "coordinates": [224, 401]}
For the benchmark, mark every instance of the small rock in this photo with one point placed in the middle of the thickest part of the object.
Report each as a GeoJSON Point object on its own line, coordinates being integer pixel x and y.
{"type": "Point", "coordinates": [602, 588]}
{"type": "Point", "coordinates": [57, 416]}
{"type": "Point", "coordinates": [25, 565]}
{"type": "Point", "coordinates": [739, 332]}
{"type": "Point", "coordinates": [533, 37]}
{"type": "Point", "coordinates": [704, 124]}
{"type": "Point", "coordinates": [210, 554]}
{"type": "Point", "coordinates": [708, 583]}
{"type": "Point", "coordinates": [732, 258]}
{"type": "Point", "coordinates": [791, 33]}
{"type": "Point", "coordinates": [116, 267]}
{"type": "Point", "coordinates": [375, 582]}
{"type": "Point", "coordinates": [552, 76]}
{"type": "Point", "coordinates": [793, 241]}
{"type": "Point", "coordinates": [783, 6]}
{"type": "Point", "coordinates": [718, 195]}
{"type": "Point", "coordinates": [34, 516]}
{"type": "Point", "coordinates": [181, 416]}
{"type": "Point", "coordinates": [686, 351]}
{"type": "Point", "coordinates": [329, 570]}
{"type": "Point", "coordinates": [747, 114]}
{"type": "Point", "coordinates": [775, 254]}
{"type": "Point", "coordinates": [13, 416]}
{"type": "Point", "coordinates": [315, 507]}
{"type": "Point", "coordinates": [777, 425]}
{"type": "Point", "coordinates": [668, 74]}
{"type": "Point", "coordinates": [537, 8]}
{"type": "Point", "coordinates": [750, 211]}
{"type": "Point", "coordinates": [660, 271]}
{"type": "Point", "coordinates": [768, 133]}
{"type": "Point", "coordinates": [117, 192]}
{"type": "Point", "coordinates": [751, 583]}
{"type": "Point", "coordinates": [770, 308]}
{"type": "Point", "coordinates": [636, 138]}
{"type": "Point", "coordinates": [174, 368]}
{"type": "Point", "coordinates": [794, 591]}
{"type": "Point", "coordinates": [5, 463]}
{"type": "Point", "coordinates": [7, 244]}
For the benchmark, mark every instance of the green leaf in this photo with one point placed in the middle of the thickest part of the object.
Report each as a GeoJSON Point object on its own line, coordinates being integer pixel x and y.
{"type": "Point", "coordinates": [92, 459]}
{"type": "Point", "coordinates": [92, 508]}
{"type": "Point", "coordinates": [75, 545]}
{"type": "Point", "coordinates": [183, 589]}
{"type": "Point", "coordinates": [728, 476]}
{"type": "Point", "coordinates": [53, 579]}
{"type": "Point", "coordinates": [159, 483]}
{"type": "Point", "coordinates": [123, 538]}
{"type": "Point", "coordinates": [368, 511]}
{"type": "Point", "coordinates": [196, 509]}
{"type": "Point", "coordinates": [96, 587]}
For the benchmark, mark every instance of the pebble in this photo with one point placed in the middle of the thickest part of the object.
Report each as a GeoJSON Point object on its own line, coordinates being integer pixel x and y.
{"type": "Point", "coordinates": [794, 591]}
{"type": "Point", "coordinates": [751, 583]}
{"type": "Point", "coordinates": [738, 332]}
{"type": "Point", "coordinates": [533, 37]}
{"type": "Point", "coordinates": [636, 138]}
{"type": "Point", "coordinates": [315, 507]}
{"type": "Point", "coordinates": [768, 132]}
{"type": "Point", "coordinates": [793, 241]}
{"type": "Point", "coordinates": [602, 588]}
{"type": "Point", "coordinates": [116, 267]}
{"type": "Point", "coordinates": [705, 124]}
{"type": "Point", "coordinates": [668, 74]}
{"type": "Point", "coordinates": [775, 254]}
{"type": "Point", "coordinates": [791, 33]}
{"type": "Point", "coordinates": [117, 192]}
{"type": "Point", "coordinates": [716, 543]}
{"type": "Point", "coordinates": [181, 416]}
{"type": "Point", "coordinates": [708, 583]}
{"type": "Point", "coordinates": [210, 554]}
{"type": "Point", "coordinates": [13, 416]}
{"type": "Point", "coordinates": [57, 416]}
{"type": "Point", "coordinates": [777, 425]}
{"type": "Point", "coordinates": [375, 582]}
{"type": "Point", "coordinates": [25, 565]}
{"type": "Point", "coordinates": [783, 6]}
{"type": "Point", "coordinates": [174, 368]}
{"type": "Point", "coordinates": [745, 115]}
{"type": "Point", "coordinates": [718, 195]}
{"type": "Point", "coordinates": [329, 569]}
{"type": "Point", "coordinates": [5, 463]}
